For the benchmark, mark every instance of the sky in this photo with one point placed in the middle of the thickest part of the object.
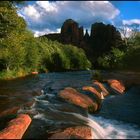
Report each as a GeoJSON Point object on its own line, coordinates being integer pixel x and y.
{"type": "Point", "coordinates": [45, 17]}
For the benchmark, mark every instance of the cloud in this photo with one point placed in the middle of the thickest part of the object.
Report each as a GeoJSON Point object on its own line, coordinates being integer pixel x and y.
{"type": "Point", "coordinates": [45, 15]}
{"type": "Point", "coordinates": [131, 22]}
{"type": "Point", "coordinates": [45, 31]}
{"type": "Point", "coordinates": [32, 12]}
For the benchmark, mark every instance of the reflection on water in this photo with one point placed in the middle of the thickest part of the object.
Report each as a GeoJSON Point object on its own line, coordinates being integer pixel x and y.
{"type": "Point", "coordinates": [118, 117]}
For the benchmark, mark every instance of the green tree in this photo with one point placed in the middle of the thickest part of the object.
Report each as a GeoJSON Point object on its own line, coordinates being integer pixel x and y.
{"type": "Point", "coordinates": [112, 60]}
{"type": "Point", "coordinates": [11, 36]}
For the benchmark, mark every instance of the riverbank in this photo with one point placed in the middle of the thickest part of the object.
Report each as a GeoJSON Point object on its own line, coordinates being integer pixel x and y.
{"type": "Point", "coordinates": [11, 75]}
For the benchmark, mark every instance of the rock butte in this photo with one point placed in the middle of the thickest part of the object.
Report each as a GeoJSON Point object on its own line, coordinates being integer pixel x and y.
{"type": "Point", "coordinates": [16, 127]}
{"type": "Point", "coordinates": [73, 96]}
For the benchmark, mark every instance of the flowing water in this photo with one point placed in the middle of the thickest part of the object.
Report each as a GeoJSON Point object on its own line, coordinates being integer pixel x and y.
{"type": "Point", "coordinates": [118, 118]}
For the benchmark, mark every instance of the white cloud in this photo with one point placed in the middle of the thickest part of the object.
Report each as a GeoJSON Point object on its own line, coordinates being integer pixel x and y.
{"type": "Point", "coordinates": [132, 21]}
{"type": "Point", "coordinates": [45, 31]}
{"type": "Point", "coordinates": [31, 12]}
{"type": "Point", "coordinates": [47, 6]}
{"type": "Point", "coordinates": [50, 15]}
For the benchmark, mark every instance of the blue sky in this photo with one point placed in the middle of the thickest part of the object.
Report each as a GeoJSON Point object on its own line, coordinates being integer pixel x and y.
{"type": "Point", "coordinates": [129, 9]}
{"type": "Point", "coordinates": [45, 17]}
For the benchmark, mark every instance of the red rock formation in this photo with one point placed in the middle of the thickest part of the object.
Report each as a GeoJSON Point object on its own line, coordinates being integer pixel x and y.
{"type": "Point", "coordinates": [93, 90]}
{"type": "Point", "coordinates": [71, 33]}
{"type": "Point", "coordinates": [104, 90]}
{"type": "Point", "coordinates": [73, 96]}
{"type": "Point", "coordinates": [16, 127]}
{"type": "Point", "coordinates": [81, 35]}
{"type": "Point", "coordinates": [116, 85]}
{"type": "Point", "coordinates": [78, 132]}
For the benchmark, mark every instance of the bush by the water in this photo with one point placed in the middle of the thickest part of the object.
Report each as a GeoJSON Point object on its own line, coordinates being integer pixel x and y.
{"type": "Point", "coordinates": [96, 75]}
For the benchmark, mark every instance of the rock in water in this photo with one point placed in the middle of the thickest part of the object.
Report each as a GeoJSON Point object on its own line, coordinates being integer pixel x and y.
{"type": "Point", "coordinates": [93, 90]}
{"type": "Point", "coordinates": [78, 132]}
{"type": "Point", "coordinates": [16, 127]}
{"type": "Point", "coordinates": [116, 85]}
{"type": "Point", "coordinates": [9, 111]}
{"type": "Point", "coordinates": [73, 96]}
{"type": "Point", "coordinates": [104, 90]}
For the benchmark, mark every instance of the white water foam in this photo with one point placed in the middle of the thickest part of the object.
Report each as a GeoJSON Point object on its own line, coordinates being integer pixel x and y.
{"type": "Point", "coordinates": [31, 109]}
{"type": "Point", "coordinates": [50, 95]}
{"type": "Point", "coordinates": [39, 116]}
{"type": "Point", "coordinates": [97, 131]}
{"type": "Point", "coordinates": [40, 99]}
{"type": "Point", "coordinates": [114, 129]}
{"type": "Point", "coordinates": [112, 96]}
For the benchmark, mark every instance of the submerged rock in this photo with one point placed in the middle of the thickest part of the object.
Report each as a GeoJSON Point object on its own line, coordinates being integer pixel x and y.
{"type": "Point", "coordinates": [9, 111]}
{"type": "Point", "coordinates": [78, 132]}
{"type": "Point", "coordinates": [73, 96]}
{"type": "Point", "coordinates": [29, 103]}
{"type": "Point", "coordinates": [16, 127]}
{"type": "Point", "coordinates": [116, 85]}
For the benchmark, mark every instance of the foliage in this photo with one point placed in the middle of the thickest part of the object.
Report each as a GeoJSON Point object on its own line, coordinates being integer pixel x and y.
{"type": "Point", "coordinates": [131, 58]}
{"type": "Point", "coordinates": [127, 59]}
{"type": "Point", "coordinates": [97, 75]}
{"type": "Point", "coordinates": [59, 57]}
{"type": "Point", "coordinates": [21, 52]}
{"type": "Point", "coordinates": [112, 60]}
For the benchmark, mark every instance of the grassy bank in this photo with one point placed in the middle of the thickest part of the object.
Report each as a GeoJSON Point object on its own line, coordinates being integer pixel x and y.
{"type": "Point", "coordinates": [12, 74]}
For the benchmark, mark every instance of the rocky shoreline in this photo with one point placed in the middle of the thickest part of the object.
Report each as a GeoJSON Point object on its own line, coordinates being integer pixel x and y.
{"type": "Point", "coordinates": [91, 104]}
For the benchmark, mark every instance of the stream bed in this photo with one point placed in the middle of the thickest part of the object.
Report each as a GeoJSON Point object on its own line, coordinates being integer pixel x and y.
{"type": "Point", "coordinates": [118, 118]}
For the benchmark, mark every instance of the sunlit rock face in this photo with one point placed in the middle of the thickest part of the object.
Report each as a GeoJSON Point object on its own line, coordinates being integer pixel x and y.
{"type": "Point", "coordinates": [16, 127]}
{"type": "Point", "coordinates": [78, 132]}
{"type": "Point", "coordinates": [73, 96]}
{"type": "Point", "coordinates": [116, 85]}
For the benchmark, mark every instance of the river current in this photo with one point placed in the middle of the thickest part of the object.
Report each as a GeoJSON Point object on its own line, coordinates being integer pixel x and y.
{"type": "Point", "coordinates": [119, 117]}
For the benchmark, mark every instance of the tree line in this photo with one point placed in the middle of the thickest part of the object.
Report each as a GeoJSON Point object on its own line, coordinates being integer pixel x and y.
{"type": "Point", "coordinates": [22, 53]}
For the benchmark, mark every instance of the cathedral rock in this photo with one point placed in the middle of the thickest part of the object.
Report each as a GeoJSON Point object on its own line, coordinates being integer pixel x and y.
{"type": "Point", "coordinates": [71, 33]}
{"type": "Point", "coordinates": [101, 39]}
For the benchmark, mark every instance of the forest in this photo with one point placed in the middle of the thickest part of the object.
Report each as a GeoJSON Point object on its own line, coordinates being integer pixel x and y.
{"type": "Point", "coordinates": [21, 53]}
